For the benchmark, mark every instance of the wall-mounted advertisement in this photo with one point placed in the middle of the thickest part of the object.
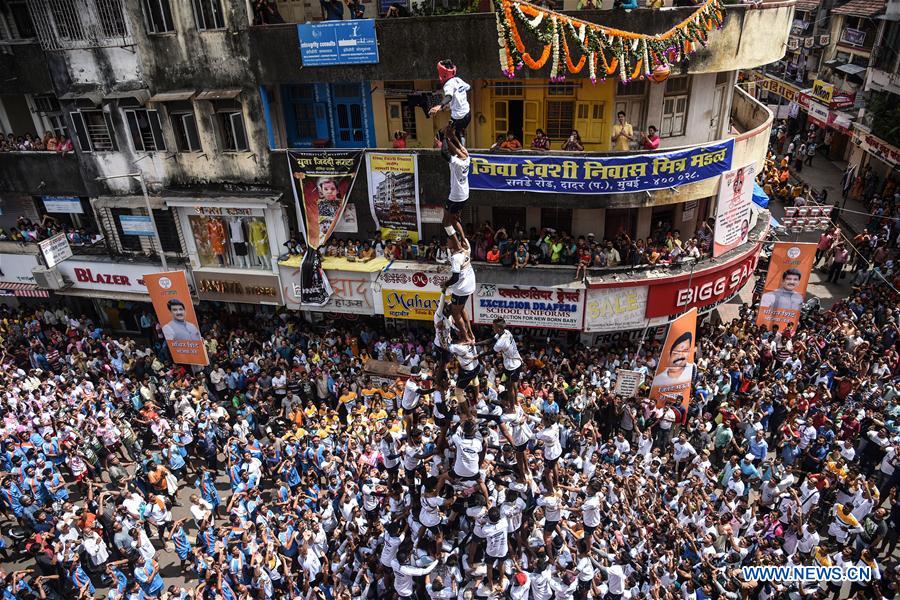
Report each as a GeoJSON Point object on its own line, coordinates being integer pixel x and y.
{"type": "Point", "coordinates": [559, 308]}
{"type": "Point", "coordinates": [394, 195]}
{"type": "Point", "coordinates": [733, 208]}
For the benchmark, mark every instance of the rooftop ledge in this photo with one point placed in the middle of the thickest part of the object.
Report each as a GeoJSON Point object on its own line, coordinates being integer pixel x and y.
{"type": "Point", "coordinates": [409, 47]}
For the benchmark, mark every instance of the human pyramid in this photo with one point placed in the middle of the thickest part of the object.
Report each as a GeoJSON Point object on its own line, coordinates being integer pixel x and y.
{"type": "Point", "coordinates": [454, 339]}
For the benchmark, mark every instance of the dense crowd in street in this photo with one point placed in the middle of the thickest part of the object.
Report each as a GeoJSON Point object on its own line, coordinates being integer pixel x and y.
{"type": "Point", "coordinates": [307, 479]}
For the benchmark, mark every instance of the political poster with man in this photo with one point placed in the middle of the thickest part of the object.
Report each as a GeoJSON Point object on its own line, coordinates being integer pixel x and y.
{"type": "Point", "coordinates": [174, 308]}
{"type": "Point", "coordinates": [786, 282]}
{"type": "Point", "coordinates": [733, 209]}
{"type": "Point", "coordinates": [675, 371]}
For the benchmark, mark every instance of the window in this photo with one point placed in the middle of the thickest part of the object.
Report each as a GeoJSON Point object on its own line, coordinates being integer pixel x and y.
{"type": "Point", "coordinates": [67, 19]}
{"type": "Point", "coordinates": [184, 126]}
{"type": "Point", "coordinates": [112, 18]}
{"type": "Point", "coordinates": [402, 117]}
{"type": "Point", "coordinates": [14, 14]}
{"type": "Point", "coordinates": [167, 230]}
{"type": "Point", "coordinates": [208, 14]}
{"type": "Point", "coordinates": [674, 116]}
{"type": "Point", "coordinates": [886, 53]}
{"type": "Point", "coordinates": [675, 103]}
{"type": "Point", "coordinates": [48, 107]}
{"type": "Point", "coordinates": [146, 132]}
{"type": "Point", "coordinates": [230, 124]}
{"type": "Point", "coordinates": [560, 119]}
{"type": "Point", "coordinates": [158, 16]}
{"type": "Point", "coordinates": [508, 89]}
{"type": "Point", "coordinates": [239, 240]}
{"type": "Point", "coordinates": [93, 128]}
{"type": "Point", "coordinates": [634, 88]}
{"type": "Point", "coordinates": [559, 219]}
{"type": "Point", "coordinates": [128, 242]}
{"type": "Point", "coordinates": [565, 88]}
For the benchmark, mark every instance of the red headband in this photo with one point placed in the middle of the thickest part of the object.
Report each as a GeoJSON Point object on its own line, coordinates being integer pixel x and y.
{"type": "Point", "coordinates": [444, 73]}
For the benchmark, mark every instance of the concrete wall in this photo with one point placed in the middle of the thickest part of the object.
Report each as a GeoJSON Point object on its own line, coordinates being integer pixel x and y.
{"type": "Point", "coordinates": [44, 173]}
{"type": "Point", "coordinates": [409, 48]}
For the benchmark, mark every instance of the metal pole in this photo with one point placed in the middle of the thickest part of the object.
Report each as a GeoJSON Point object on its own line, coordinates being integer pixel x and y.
{"type": "Point", "coordinates": [162, 254]}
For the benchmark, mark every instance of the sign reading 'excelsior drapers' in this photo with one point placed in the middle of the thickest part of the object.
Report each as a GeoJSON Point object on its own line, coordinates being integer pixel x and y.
{"type": "Point", "coordinates": [599, 174]}
{"type": "Point", "coordinates": [558, 308]}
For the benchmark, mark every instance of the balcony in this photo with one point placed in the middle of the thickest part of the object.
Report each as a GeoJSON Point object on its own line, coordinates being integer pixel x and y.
{"type": "Point", "coordinates": [47, 173]}
{"type": "Point", "coordinates": [752, 120]}
{"type": "Point", "coordinates": [410, 47]}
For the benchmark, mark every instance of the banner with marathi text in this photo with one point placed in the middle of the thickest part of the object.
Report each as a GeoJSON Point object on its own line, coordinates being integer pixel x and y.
{"type": "Point", "coordinates": [733, 208]}
{"type": "Point", "coordinates": [675, 371]}
{"type": "Point", "coordinates": [394, 195]}
{"type": "Point", "coordinates": [322, 184]}
{"type": "Point", "coordinates": [786, 282]}
{"type": "Point", "coordinates": [558, 308]}
{"type": "Point", "coordinates": [599, 174]}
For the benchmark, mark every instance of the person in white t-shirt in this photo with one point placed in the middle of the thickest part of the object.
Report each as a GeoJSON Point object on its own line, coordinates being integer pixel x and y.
{"type": "Point", "coordinates": [458, 158]}
{"type": "Point", "coordinates": [461, 285]}
{"type": "Point", "coordinates": [469, 452]}
{"type": "Point", "coordinates": [496, 534]}
{"type": "Point", "coordinates": [505, 345]}
{"type": "Point", "coordinates": [455, 100]}
{"type": "Point", "coordinates": [443, 328]}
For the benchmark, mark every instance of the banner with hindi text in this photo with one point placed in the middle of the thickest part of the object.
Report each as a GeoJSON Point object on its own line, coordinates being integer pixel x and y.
{"type": "Point", "coordinates": [567, 174]}
{"type": "Point", "coordinates": [675, 371]}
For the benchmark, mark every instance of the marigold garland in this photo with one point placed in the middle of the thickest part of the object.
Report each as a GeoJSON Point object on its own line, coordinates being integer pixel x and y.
{"type": "Point", "coordinates": [633, 55]}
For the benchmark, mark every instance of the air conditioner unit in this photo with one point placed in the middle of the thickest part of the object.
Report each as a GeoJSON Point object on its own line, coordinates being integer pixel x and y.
{"type": "Point", "coordinates": [50, 279]}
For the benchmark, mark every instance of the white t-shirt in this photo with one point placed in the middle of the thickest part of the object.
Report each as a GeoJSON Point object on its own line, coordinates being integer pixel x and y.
{"type": "Point", "coordinates": [442, 336]}
{"type": "Point", "coordinates": [468, 451]}
{"type": "Point", "coordinates": [552, 447]}
{"type": "Point", "coordinates": [517, 423]}
{"type": "Point", "coordinates": [461, 262]}
{"type": "Point", "coordinates": [410, 398]}
{"type": "Point", "coordinates": [466, 355]}
{"type": "Point", "coordinates": [456, 88]}
{"type": "Point", "coordinates": [430, 515]}
{"type": "Point", "coordinates": [590, 511]}
{"type": "Point", "coordinates": [459, 178]}
{"type": "Point", "coordinates": [506, 346]}
{"type": "Point", "coordinates": [496, 534]}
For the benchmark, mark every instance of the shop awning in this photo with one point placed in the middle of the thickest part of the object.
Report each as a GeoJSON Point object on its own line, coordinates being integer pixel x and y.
{"type": "Point", "coordinates": [224, 201]}
{"type": "Point", "coordinates": [105, 295]}
{"type": "Point", "coordinates": [24, 290]}
{"type": "Point", "coordinates": [851, 69]}
{"type": "Point", "coordinates": [228, 94]}
{"type": "Point", "coordinates": [860, 8]}
{"type": "Point", "coordinates": [173, 96]}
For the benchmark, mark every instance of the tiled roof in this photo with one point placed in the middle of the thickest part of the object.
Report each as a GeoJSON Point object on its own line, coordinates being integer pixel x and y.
{"type": "Point", "coordinates": [861, 8]}
{"type": "Point", "coordinates": [806, 5]}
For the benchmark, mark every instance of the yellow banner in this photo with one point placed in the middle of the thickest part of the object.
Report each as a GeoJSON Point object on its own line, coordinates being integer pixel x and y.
{"type": "Point", "coordinates": [399, 234]}
{"type": "Point", "coordinates": [822, 91]}
{"type": "Point", "coordinates": [409, 304]}
{"type": "Point", "coordinates": [393, 163]}
{"type": "Point", "coordinates": [333, 263]}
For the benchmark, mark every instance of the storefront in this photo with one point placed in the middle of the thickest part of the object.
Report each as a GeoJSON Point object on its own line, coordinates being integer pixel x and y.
{"type": "Point", "coordinates": [232, 232]}
{"type": "Point", "coordinates": [869, 149]}
{"type": "Point", "coordinates": [241, 287]}
{"type": "Point", "coordinates": [16, 280]}
{"type": "Point", "coordinates": [822, 105]}
{"type": "Point", "coordinates": [351, 284]}
{"type": "Point", "coordinates": [114, 291]}
{"type": "Point", "coordinates": [408, 293]}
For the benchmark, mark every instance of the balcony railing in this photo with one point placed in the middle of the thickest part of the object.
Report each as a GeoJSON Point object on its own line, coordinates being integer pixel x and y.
{"type": "Point", "coordinates": [72, 24]}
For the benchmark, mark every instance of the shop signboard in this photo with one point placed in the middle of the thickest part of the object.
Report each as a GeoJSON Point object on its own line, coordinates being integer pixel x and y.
{"type": "Point", "coordinates": [853, 37]}
{"type": "Point", "coordinates": [63, 204]}
{"type": "Point", "coordinates": [238, 287]}
{"type": "Point", "coordinates": [136, 225]}
{"type": "Point", "coordinates": [408, 304]}
{"type": "Point", "coordinates": [331, 43]}
{"type": "Point", "coordinates": [56, 249]}
{"type": "Point", "coordinates": [822, 91]}
{"type": "Point", "coordinates": [17, 268]}
{"type": "Point", "coordinates": [702, 288]}
{"type": "Point", "coordinates": [615, 308]}
{"type": "Point", "coordinates": [107, 276]}
{"type": "Point", "coordinates": [561, 308]}
{"type": "Point", "coordinates": [351, 291]}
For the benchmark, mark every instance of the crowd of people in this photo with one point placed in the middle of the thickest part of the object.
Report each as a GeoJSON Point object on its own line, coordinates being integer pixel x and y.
{"type": "Point", "coordinates": [300, 475]}
{"type": "Point", "coordinates": [29, 231]}
{"type": "Point", "coordinates": [50, 142]}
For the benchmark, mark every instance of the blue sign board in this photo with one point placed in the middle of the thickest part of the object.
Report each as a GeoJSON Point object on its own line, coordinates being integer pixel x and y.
{"type": "Point", "coordinates": [63, 204]}
{"type": "Point", "coordinates": [612, 174]}
{"type": "Point", "coordinates": [136, 225]}
{"type": "Point", "coordinates": [338, 43]}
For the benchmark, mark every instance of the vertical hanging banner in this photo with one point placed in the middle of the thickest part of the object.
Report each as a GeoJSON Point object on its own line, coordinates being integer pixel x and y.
{"type": "Point", "coordinates": [394, 195]}
{"type": "Point", "coordinates": [672, 382]}
{"type": "Point", "coordinates": [786, 282]}
{"type": "Point", "coordinates": [174, 308]}
{"type": "Point", "coordinates": [733, 208]}
{"type": "Point", "coordinates": [322, 183]}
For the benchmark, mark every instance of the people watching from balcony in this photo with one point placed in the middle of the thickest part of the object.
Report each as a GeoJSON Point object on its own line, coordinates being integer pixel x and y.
{"type": "Point", "coordinates": [511, 143]}
{"type": "Point", "coordinates": [540, 141]}
{"type": "Point", "coordinates": [573, 143]}
{"type": "Point", "coordinates": [265, 12]}
{"type": "Point", "coordinates": [396, 10]}
{"type": "Point", "coordinates": [650, 139]}
{"type": "Point", "coordinates": [623, 132]}
{"type": "Point", "coordinates": [27, 231]}
{"type": "Point", "coordinates": [625, 4]}
{"type": "Point", "coordinates": [357, 10]}
{"type": "Point", "coordinates": [34, 143]}
{"type": "Point", "coordinates": [332, 10]}
{"type": "Point", "coordinates": [400, 139]}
